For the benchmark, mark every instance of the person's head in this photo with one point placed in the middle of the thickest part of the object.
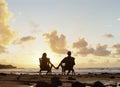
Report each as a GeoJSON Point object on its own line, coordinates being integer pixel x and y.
{"type": "Point", "coordinates": [44, 55]}
{"type": "Point", "coordinates": [69, 53]}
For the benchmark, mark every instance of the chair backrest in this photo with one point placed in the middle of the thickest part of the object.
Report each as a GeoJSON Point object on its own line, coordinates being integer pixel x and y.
{"type": "Point", "coordinates": [68, 63]}
{"type": "Point", "coordinates": [45, 65]}
{"type": "Point", "coordinates": [63, 66]}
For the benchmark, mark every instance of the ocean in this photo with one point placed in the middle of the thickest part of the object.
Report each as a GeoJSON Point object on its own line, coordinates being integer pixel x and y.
{"type": "Point", "coordinates": [58, 71]}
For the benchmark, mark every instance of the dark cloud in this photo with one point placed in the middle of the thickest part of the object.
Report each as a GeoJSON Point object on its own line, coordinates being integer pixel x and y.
{"type": "Point", "coordinates": [81, 43]}
{"type": "Point", "coordinates": [117, 47]}
{"type": "Point", "coordinates": [108, 35]}
{"type": "Point", "coordinates": [57, 43]}
{"type": "Point", "coordinates": [101, 50]}
{"type": "Point", "coordinates": [83, 49]}
{"type": "Point", "coordinates": [27, 38]}
{"type": "Point", "coordinates": [24, 39]}
{"type": "Point", "coordinates": [82, 46]}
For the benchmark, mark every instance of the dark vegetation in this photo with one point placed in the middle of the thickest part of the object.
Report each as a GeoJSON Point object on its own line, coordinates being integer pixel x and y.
{"type": "Point", "coordinates": [7, 66]}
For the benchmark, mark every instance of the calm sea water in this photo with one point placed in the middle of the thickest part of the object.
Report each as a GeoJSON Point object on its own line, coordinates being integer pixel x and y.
{"type": "Point", "coordinates": [77, 70]}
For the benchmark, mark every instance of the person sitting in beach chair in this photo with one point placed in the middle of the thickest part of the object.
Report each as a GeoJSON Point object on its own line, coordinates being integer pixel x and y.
{"type": "Point", "coordinates": [67, 64]}
{"type": "Point", "coordinates": [45, 64]}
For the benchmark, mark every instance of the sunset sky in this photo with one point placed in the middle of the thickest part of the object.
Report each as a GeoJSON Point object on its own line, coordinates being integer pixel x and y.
{"type": "Point", "coordinates": [88, 28]}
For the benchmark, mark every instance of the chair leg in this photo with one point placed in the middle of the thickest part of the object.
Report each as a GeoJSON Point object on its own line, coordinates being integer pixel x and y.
{"type": "Point", "coordinates": [68, 72]}
{"type": "Point", "coordinates": [40, 72]}
{"type": "Point", "coordinates": [39, 75]}
{"type": "Point", "coordinates": [73, 72]}
{"type": "Point", "coordinates": [63, 71]}
{"type": "Point", "coordinates": [48, 71]}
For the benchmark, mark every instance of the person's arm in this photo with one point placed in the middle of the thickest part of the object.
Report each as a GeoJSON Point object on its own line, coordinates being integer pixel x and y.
{"type": "Point", "coordinates": [60, 63]}
{"type": "Point", "coordinates": [40, 62]}
{"type": "Point", "coordinates": [51, 64]}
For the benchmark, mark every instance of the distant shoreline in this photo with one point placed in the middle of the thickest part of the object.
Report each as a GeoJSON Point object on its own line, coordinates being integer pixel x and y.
{"type": "Point", "coordinates": [58, 71]}
{"type": "Point", "coordinates": [7, 67]}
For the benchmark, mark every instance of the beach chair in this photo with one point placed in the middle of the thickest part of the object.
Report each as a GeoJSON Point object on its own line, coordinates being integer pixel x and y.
{"type": "Point", "coordinates": [45, 67]}
{"type": "Point", "coordinates": [67, 68]}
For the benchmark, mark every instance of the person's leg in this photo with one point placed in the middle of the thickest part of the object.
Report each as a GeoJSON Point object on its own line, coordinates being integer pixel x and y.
{"type": "Point", "coordinates": [73, 72]}
{"type": "Point", "coordinates": [50, 69]}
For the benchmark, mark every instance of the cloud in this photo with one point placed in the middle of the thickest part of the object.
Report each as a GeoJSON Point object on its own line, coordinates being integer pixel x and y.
{"type": "Point", "coordinates": [81, 43]}
{"type": "Point", "coordinates": [24, 39]}
{"type": "Point", "coordinates": [82, 46]}
{"type": "Point", "coordinates": [101, 50]}
{"type": "Point", "coordinates": [2, 49]}
{"type": "Point", "coordinates": [117, 47]}
{"type": "Point", "coordinates": [57, 44]}
{"type": "Point", "coordinates": [83, 49]}
{"type": "Point", "coordinates": [108, 35]}
{"type": "Point", "coordinates": [6, 34]}
{"type": "Point", "coordinates": [118, 60]}
{"type": "Point", "coordinates": [118, 19]}
{"type": "Point", "coordinates": [92, 61]}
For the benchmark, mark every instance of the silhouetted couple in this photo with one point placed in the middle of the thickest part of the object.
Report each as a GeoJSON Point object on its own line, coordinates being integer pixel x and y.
{"type": "Point", "coordinates": [66, 64]}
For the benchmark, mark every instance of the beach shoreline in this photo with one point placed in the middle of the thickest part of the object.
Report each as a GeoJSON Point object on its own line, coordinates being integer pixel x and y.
{"type": "Point", "coordinates": [27, 80]}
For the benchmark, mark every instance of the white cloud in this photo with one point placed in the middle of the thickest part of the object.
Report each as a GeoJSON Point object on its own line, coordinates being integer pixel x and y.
{"type": "Point", "coordinates": [6, 33]}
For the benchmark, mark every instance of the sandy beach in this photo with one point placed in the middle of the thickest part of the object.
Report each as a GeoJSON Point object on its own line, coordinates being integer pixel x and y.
{"type": "Point", "coordinates": [26, 80]}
